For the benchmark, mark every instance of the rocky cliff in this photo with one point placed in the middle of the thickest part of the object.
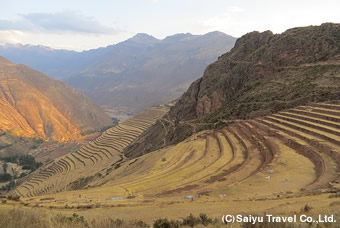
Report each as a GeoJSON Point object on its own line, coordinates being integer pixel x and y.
{"type": "Point", "coordinates": [262, 74]}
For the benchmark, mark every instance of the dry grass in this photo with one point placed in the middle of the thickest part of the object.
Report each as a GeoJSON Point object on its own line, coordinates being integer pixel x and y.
{"type": "Point", "coordinates": [40, 218]}
{"type": "Point", "coordinates": [37, 218]}
{"type": "Point", "coordinates": [229, 164]}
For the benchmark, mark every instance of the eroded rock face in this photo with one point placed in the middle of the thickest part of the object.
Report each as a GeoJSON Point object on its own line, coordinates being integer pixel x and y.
{"type": "Point", "coordinates": [208, 104]}
{"type": "Point", "coordinates": [256, 61]}
{"type": "Point", "coordinates": [262, 74]}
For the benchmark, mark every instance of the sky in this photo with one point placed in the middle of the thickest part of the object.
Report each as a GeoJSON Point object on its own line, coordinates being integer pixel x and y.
{"type": "Point", "coordinates": [88, 24]}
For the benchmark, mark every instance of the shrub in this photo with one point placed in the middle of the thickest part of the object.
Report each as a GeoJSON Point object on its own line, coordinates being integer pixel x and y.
{"type": "Point", "coordinates": [205, 220]}
{"type": "Point", "coordinates": [162, 223]}
{"type": "Point", "coordinates": [37, 143]}
{"type": "Point", "coordinates": [306, 208]}
{"type": "Point", "coordinates": [80, 183]}
{"type": "Point", "coordinates": [138, 223]}
{"type": "Point", "coordinates": [8, 186]}
{"type": "Point", "coordinates": [14, 198]}
{"type": "Point", "coordinates": [27, 161]}
{"type": "Point", "coordinates": [116, 223]}
{"type": "Point", "coordinates": [22, 175]}
{"type": "Point", "coordinates": [175, 224]}
{"type": "Point", "coordinates": [76, 218]}
{"type": "Point", "coordinates": [191, 221]}
{"type": "Point", "coordinates": [74, 221]}
{"type": "Point", "coordinates": [4, 177]}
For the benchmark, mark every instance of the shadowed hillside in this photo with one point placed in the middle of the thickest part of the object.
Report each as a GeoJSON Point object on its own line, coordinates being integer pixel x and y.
{"type": "Point", "coordinates": [264, 73]}
{"type": "Point", "coordinates": [34, 105]}
{"type": "Point", "coordinates": [144, 71]}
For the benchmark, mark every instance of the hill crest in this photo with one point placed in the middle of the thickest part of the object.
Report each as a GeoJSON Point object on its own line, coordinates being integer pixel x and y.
{"type": "Point", "coordinates": [34, 105]}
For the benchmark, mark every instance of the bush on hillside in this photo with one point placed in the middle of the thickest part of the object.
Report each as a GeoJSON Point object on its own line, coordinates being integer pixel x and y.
{"type": "Point", "coordinates": [4, 177]}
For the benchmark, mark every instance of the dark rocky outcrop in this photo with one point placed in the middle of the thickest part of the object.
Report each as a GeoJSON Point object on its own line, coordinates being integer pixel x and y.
{"type": "Point", "coordinates": [262, 74]}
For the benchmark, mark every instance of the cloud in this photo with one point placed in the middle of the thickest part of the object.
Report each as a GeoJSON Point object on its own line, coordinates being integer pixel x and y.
{"type": "Point", "coordinates": [63, 22]}
{"type": "Point", "coordinates": [11, 37]}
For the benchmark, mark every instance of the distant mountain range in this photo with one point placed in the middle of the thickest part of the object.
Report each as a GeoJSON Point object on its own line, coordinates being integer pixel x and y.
{"type": "Point", "coordinates": [35, 105]}
{"type": "Point", "coordinates": [58, 64]}
{"type": "Point", "coordinates": [263, 74]}
{"type": "Point", "coordinates": [131, 75]}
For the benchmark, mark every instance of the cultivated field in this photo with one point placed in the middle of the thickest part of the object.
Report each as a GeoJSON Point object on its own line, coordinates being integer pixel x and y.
{"type": "Point", "coordinates": [294, 151]}
{"type": "Point", "coordinates": [75, 169]}
{"type": "Point", "coordinates": [277, 163]}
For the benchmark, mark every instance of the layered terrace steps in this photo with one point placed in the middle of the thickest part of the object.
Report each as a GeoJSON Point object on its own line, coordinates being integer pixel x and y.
{"type": "Point", "coordinates": [254, 147]}
{"type": "Point", "coordinates": [240, 153]}
{"type": "Point", "coordinates": [90, 158]}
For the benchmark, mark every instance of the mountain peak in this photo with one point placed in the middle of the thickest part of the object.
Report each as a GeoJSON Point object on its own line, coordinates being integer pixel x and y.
{"type": "Point", "coordinates": [178, 36]}
{"type": "Point", "coordinates": [143, 38]}
{"type": "Point", "coordinates": [215, 33]}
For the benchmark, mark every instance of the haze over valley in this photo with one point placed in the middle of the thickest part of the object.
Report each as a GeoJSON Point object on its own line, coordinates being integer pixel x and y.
{"type": "Point", "coordinates": [132, 75]}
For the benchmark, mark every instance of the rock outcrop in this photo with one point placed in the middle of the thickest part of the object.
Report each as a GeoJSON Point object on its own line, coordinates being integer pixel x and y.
{"type": "Point", "coordinates": [262, 74]}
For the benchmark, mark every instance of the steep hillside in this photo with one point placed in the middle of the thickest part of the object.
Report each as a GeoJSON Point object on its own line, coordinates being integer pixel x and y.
{"type": "Point", "coordinates": [299, 149]}
{"type": "Point", "coordinates": [34, 105]}
{"type": "Point", "coordinates": [144, 71]}
{"type": "Point", "coordinates": [295, 152]}
{"type": "Point", "coordinates": [264, 73]}
{"type": "Point", "coordinates": [92, 161]}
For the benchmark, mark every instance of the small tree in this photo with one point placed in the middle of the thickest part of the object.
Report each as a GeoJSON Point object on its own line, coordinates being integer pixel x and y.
{"type": "Point", "coordinates": [5, 166]}
{"type": "Point", "coordinates": [162, 223]}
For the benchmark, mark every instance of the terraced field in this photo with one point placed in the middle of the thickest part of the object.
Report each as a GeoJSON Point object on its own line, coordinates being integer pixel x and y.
{"type": "Point", "coordinates": [77, 168]}
{"type": "Point", "coordinates": [294, 151]}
